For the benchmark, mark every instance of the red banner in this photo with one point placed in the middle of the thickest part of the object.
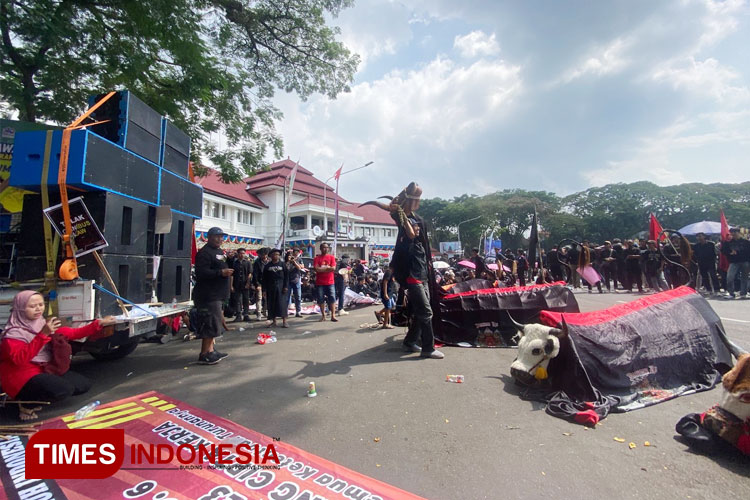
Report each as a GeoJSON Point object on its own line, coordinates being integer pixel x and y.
{"type": "Point", "coordinates": [154, 419]}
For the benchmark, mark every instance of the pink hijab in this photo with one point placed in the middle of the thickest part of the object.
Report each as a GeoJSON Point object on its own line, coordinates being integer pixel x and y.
{"type": "Point", "coordinates": [19, 327]}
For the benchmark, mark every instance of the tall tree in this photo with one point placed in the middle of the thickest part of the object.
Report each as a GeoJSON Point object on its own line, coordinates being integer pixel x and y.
{"type": "Point", "coordinates": [211, 66]}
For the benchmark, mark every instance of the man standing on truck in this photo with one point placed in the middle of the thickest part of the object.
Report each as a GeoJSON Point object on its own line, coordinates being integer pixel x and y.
{"type": "Point", "coordinates": [213, 278]}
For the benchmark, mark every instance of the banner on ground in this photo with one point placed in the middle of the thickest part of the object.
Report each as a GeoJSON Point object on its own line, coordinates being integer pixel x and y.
{"type": "Point", "coordinates": [154, 419]}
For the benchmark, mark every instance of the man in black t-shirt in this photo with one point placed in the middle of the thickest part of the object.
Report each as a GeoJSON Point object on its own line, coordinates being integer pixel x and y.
{"type": "Point", "coordinates": [737, 251]}
{"type": "Point", "coordinates": [632, 266]}
{"type": "Point", "coordinates": [653, 266]}
{"type": "Point", "coordinates": [241, 282]}
{"type": "Point", "coordinates": [704, 252]}
{"type": "Point", "coordinates": [213, 278]}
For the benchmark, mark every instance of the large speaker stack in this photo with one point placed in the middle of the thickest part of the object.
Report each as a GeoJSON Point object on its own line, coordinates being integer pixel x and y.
{"type": "Point", "coordinates": [123, 169]}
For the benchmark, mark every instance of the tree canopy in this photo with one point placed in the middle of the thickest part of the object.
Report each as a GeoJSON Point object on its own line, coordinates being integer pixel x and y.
{"type": "Point", "coordinates": [597, 214]}
{"type": "Point", "coordinates": [211, 66]}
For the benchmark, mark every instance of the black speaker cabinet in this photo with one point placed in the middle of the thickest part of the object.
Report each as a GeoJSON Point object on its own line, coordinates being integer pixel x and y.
{"type": "Point", "coordinates": [131, 274]}
{"type": "Point", "coordinates": [174, 280]}
{"type": "Point", "coordinates": [175, 154]}
{"type": "Point", "coordinates": [131, 123]}
{"type": "Point", "coordinates": [177, 242]}
{"type": "Point", "coordinates": [181, 194]}
{"type": "Point", "coordinates": [122, 221]}
{"type": "Point", "coordinates": [94, 164]}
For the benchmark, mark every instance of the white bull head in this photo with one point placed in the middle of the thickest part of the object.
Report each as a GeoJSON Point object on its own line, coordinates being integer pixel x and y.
{"type": "Point", "coordinates": [538, 345]}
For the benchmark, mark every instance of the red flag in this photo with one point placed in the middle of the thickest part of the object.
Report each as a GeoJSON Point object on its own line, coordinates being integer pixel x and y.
{"type": "Point", "coordinates": [724, 228]}
{"type": "Point", "coordinates": [723, 261]}
{"type": "Point", "coordinates": [338, 173]}
{"type": "Point", "coordinates": [655, 229]}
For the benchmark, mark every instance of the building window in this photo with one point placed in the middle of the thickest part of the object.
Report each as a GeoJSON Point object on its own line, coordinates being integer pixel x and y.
{"type": "Point", "coordinates": [297, 222]}
{"type": "Point", "coordinates": [206, 209]}
{"type": "Point", "coordinates": [244, 217]}
{"type": "Point", "coordinates": [224, 212]}
{"type": "Point", "coordinates": [215, 210]}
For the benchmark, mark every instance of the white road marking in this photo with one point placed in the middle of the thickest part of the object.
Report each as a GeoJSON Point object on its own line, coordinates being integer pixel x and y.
{"type": "Point", "coordinates": [737, 320]}
{"type": "Point", "coordinates": [622, 301]}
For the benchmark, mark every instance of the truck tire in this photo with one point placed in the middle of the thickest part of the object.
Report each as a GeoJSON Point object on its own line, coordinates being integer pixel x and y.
{"type": "Point", "coordinates": [118, 352]}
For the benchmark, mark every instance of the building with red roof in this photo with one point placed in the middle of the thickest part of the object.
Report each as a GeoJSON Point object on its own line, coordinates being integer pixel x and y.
{"type": "Point", "coordinates": [252, 213]}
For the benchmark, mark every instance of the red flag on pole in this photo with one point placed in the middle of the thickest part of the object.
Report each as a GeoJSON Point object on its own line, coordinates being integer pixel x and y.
{"type": "Point", "coordinates": [723, 261]}
{"type": "Point", "coordinates": [655, 229]}
{"type": "Point", "coordinates": [338, 173]}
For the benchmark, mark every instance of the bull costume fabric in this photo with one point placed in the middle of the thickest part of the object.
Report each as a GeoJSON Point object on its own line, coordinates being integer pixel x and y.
{"type": "Point", "coordinates": [473, 312]}
{"type": "Point", "coordinates": [634, 355]}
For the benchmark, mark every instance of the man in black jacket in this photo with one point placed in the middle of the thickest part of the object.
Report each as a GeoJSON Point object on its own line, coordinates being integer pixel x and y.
{"type": "Point", "coordinates": [241, 286]}
{"type": "Point", "coordinates": [705, 255]}
{"type": "Point", "coordinates": [213, 278]}
{"type": "Point", "coordinates": [737, 251]}
{"type": "Point", "coordinates": [257, 280]}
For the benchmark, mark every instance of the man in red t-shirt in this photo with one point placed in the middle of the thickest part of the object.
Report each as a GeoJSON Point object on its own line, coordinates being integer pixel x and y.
{"type": "Point", "coordinates": [325, 265]}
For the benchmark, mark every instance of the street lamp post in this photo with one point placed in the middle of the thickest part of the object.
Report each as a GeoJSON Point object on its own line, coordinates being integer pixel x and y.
{"type": "Point", "coordinates": [458, 229]}
{"type": "Point", "coordinates": [325, 193]}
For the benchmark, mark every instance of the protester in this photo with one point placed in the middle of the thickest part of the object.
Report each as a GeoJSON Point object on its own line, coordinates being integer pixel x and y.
{"type": "Point", "coordinates": [737, 251]}
{"type": "Point", "coordinates": [411, 263]}
{"type": "Point", "coordinates": [211, 289]}
{"type": "Point", "coordinates": [653, 266]}
{"type": "Point", "coordinates": [555, 268]}
{"type": "Point", "coordinates": [586, 270]}
{"type": "Point", "coordinates": [632, 266]}
{"type": "Point", "coordinates": [325, 267]}
{"type": "Point", "coordinates": [308, 288]}
{"type": "Point", "coordinates": [619, 254]}
{"type": "Point", "coordinates": [522, 266]}
{"type": "Point", "coordinates": [295, 268]}
{"type": "Point", "coordinates": [478, 262]}
{"type": "Point", "coordinates": [32, 366]}
{"type": "Point", "coordinates": [258, 266]}
{"type": "Point", "coordinates": [608, 265]}
{"type": "Point", "coordinates": [705, 255]}
{"type": "Point", "coordinates": [341, 280]}
{"type": "Point", "coordinates": [388, 293]}
{"type": "Point", "coordinates": [276, 285]}
{"type": "Point", "coordinates": [241, 281]}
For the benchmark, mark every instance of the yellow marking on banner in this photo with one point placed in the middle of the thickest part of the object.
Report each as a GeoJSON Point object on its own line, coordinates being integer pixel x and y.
{"type": "Point", "coordinates": [167, 407]}
{"type": "Point", "coordinates": [101, 411]}
{"type": "Point", "coordinates": [110, 423]}
{"type": "Point", "coordinates": [158, 403]}
{"type": "Point", "coordinates": [149, 399]}
{"type": "Point", "coordinates": [83, 423]}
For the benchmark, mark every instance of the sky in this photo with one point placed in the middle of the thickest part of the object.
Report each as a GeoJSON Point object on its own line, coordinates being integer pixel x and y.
{"type": "Point", "coordinates": [472, 97]}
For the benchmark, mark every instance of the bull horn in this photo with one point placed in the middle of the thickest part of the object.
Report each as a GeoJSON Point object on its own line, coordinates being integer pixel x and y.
{"type": "Point", "coordinates": [518, 325]}
{"type": "Point", "coordinates": [385, 198]}
{"type": "Point", "coordinates": [561, 333]}
{"type": "Point", "coordinates": [378, 204]}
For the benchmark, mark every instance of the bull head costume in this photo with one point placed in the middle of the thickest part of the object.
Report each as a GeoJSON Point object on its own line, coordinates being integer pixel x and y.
{"type": "Point", "coordinates": [538, 345]}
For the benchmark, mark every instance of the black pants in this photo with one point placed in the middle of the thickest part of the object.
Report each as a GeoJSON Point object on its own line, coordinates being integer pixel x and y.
{"type": "Point", "coordinates": [241, 302]}
{"type": "Point", "coordinates": [557, 273]}
{"type": "Point", "coordinates": [633, 276]}
{"type": "Point", "coordinates": [53, 388]}
{"type": "Point", "coordinates": [420, 324]}
{"type": "Point", "coordinates": [708, 276]}
{"type": "Point", "coordinates": [609, 272]}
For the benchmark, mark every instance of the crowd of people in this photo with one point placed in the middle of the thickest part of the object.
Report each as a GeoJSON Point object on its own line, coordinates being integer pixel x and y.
{"type": "Point", "coordinates": [719, 269]}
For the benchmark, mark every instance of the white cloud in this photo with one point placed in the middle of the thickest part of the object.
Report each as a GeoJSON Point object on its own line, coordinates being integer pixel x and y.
{"type": "Point", "coordinates": [708, 77]}
{"type": "Point", "coordinates": [600, 61]}
{"type": "Point", "coordinates": [720, 20]}
{"type": "Point", "coordinates": [476, 43]}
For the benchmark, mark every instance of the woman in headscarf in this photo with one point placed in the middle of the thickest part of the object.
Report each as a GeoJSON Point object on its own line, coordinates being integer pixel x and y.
{"type": "Point", "coordinates": [276, 285]}
{"type": "Point", "coordinates": [26, 353]}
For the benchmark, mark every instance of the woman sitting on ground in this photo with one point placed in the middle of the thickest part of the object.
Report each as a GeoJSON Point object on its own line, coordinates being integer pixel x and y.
{"type": "Point", "coordinates": [26, 353]}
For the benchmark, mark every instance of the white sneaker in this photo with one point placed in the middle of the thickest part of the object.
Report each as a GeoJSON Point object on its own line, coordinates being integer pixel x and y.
{"type": "Point", "coordinates": [433, 355]}
{"type": "Point", "coordinates": [343, 313]}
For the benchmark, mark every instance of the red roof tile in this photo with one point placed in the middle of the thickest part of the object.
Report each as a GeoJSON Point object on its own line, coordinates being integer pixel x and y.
{"type": "Point", "coordinates": [373, 215]}
{"type": "Point", "coordinates": [212, 184]}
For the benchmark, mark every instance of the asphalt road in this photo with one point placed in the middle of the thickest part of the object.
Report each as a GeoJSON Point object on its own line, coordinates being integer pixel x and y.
{"type": "Point", "coordinates": [440, 440]}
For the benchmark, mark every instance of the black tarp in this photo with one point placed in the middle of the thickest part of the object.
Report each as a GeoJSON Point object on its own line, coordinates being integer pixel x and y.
{"type": "Point", "coordinates": [475, 313]}
{"type": "Point", "coordinates": [635, 355]}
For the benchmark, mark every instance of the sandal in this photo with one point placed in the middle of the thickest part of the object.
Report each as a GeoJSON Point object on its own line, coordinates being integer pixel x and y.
{"type": "Point", "coordinates": [28, 414]}
{"type": "Point", "coordinates": [387, 327]}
